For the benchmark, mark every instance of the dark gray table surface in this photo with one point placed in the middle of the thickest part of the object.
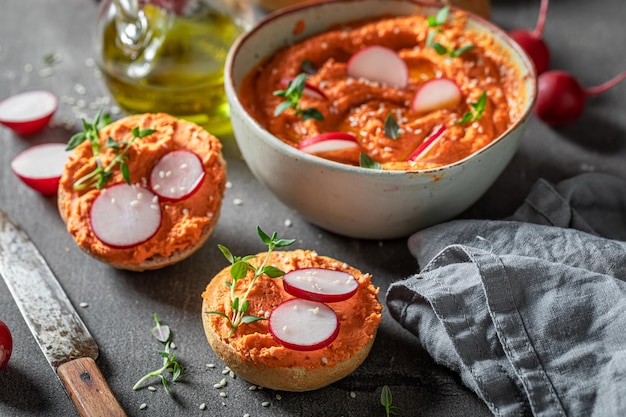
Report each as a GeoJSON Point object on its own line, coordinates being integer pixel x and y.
{"type": "Point", "coordinates": [587, 38]}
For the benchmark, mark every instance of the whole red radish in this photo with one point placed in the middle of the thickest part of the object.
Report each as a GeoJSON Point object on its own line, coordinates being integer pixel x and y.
{"type": "Point", "coordinates": [28, 113]}
{"type": "Point", "coordinates": [561, 99]}
{"type": "Point", "coordinates": [532, 43]}
{"type": "Point", "coordinates": [6, 344]}
{"type": "Point", "coordinates": [41, 166]}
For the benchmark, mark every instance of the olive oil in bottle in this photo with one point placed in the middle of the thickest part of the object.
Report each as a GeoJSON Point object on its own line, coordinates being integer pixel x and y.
{"type": "Point", "coordinates": [161, 61]}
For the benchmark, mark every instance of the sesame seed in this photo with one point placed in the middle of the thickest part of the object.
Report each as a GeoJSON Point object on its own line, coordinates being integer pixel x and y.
{"type": "Point", "coordinates": [186, 212]}
{"type": "Point", "coordinates": [134, 203]}
{"type": "Point", "coordinates": [324, 360]}
{"type": "Point", "coordinates": [168, 173]}
{"type": "Point", "coordinates": [252, 388]}
{"type": "Point", "coordinates": [229, 184]}
{"type": "Point", "coordinates": [202, 406]}
{"type": "Point", "coordinates": [84, 305]}
{"type": "Point", "coordinates": [143, 406]}
{"type": "Point", "coordinates": [210, 365]}
{"type": "Point", "coordinates": [265, 403]}
{"type": "Point", "coordinates": [161, 174]}
{"type": "Point", "coordinates": [183, 166]}
{"type": "Point", "coordinates": [151, 388]}
{"type": "Point", "coordinates": [352, 394]}
{"type": "Point", "coordinates": [223, 394]}
{"type": "Point", "coordinates": [278, 397]}
{"type": "Point", "coordinates": [237, 201]}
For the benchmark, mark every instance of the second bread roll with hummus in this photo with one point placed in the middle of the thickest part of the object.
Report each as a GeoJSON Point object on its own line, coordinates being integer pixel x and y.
{"type": "Point", "coordinates": [251, 351]}
{"type": "Point", "coordinates": [185, 224]}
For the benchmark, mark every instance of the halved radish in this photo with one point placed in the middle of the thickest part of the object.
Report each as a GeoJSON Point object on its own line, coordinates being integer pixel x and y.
{"type": "Point", "coordinates": [124, 216]}
{"type": "Point", "coordinates": [435, 94]}
{"type": "Point", "coordinates": [318, 284]}
{"type": "Point", "coordinates": [379, 64]}
{"type": "Point", "coordinates": [428, 143]}
{"type": "Point", "coordinates": [28, 113]}
{"type": "Point", "coordinates": [303, 325]}
{"type": "Point", "coordinates": [329, 141]}
{"type": "Point", "coordinates": [309, 89]}
{"type": "Point", "coordinates": [41, 166]}
{"type": "Point", "coordinates": [177, 175]}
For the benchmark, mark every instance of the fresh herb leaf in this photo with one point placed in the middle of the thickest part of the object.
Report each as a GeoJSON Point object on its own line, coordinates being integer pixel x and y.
{"type": "Point", "coordinates": [387, 401]}
{"type": "Point", "coordinates": [101, 174]}
{"type": "Point", "coordinates": [476, 111]}
{"type": "Point", "coordinates": [161, 333]}
{"type": "Point", "coordinates": [240, 266]}
{"type": "Point", "coordinates": [367, 162]}
{"type": "Point", "coordinates": [170, 362]}
{"type": "Point", "coordinates": [292, 95]}
{"type": "Point", "coordinates": [392, 130]}
{"type": "Point", "coordinates": [308, 67]}
{"type": "Point", "coordinates": [436, 24]}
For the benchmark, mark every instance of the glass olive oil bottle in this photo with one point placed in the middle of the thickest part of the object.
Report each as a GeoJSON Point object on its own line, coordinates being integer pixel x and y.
{"type": "Point", "coordinates": [163, 61]}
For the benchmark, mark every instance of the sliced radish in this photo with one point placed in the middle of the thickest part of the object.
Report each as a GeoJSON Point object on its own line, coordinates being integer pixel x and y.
{"type": "Point", "coordinates": [379, 64]}
{"type": "Point", "coordinates": [318, 284]}
{"type": "Point", "coordinates": [428, 143]}
{"type": "Point", "coordinates": [303, 325]}
{"type": "Point", "coordinates": [435, 94]}
{"type": "Point", "coordinates": [329, 141]}
{"type": "Point", "coordinates": [125, 215]}
{"type": "Point", "coordinates": [309, 89]}
{"type": "Point", "coordinates": [28, 113]}
{"type": "Point", "coordinates": [177, 175]}
{"type": "Point", "coordinates": [41, 166]}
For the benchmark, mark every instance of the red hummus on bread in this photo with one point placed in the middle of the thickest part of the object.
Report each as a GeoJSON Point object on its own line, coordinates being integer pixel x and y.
{"type": "Point", "coordinates": [184, 223]}
{"type": "Point", "coordinates": [359, 316]}
{"type": "Point", "coordinates": [360, 107]}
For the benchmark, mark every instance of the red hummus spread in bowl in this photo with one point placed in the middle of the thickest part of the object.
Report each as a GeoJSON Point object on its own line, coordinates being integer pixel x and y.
{"type": "Point", "coordinates": [394, 193]}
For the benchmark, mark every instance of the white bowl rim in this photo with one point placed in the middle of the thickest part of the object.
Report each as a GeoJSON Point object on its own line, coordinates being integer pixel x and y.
{"type": "Point", "coordinates": [338, 166]}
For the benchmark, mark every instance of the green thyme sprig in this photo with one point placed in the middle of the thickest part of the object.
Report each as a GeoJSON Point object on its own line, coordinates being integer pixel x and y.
{"type": "Point", "coordinates": [436, 23]}
{"type": "Point", "coordinates": [292, 95]}
{"type": "Point", "coordinates": [101, 174]}
{"type": "Point", "coordinates": [477, 109]}
{"type": "Point", "coordinates": [387, 401]}
{"type": "Point", "coordinates": [170, 362]}
{"type": "Point", "coordinates": [240, 266]}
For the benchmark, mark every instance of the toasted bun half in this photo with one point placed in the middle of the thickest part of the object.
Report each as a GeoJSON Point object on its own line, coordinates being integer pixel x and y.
{"type": "Point", "coordinates": [254, 355]}
{"type": "Point", "coordinates": [185, 224]}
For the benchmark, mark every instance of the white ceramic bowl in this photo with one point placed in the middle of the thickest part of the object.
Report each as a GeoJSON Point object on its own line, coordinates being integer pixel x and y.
{"type": "Point", "coordinates": [355, 201]}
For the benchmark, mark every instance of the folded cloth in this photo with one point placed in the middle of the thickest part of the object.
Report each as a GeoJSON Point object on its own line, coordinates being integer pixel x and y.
{"type": "Point", "coordinates": [530, 311]}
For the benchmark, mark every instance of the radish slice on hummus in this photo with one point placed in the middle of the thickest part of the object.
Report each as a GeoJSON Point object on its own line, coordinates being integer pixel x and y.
{"type": "Point", "coordinates": [379, 64]}
{"type": "Point", "coordinates": [28, 113]}
{"type": "Point", "coordinates": [329, 141]}
{"type": "Point", "coordinates": [309, 89]}
{"type": "Point", "coordinates": [41, 166]}
{"type": "Point", "coordinates": [318, 284]}
{"type": "Point", "coordinates": [177, 175]}
{"type": "Point", "coordinates": [435, 94]}
{"type": "Point", "coordinates": [428, 143]}
{"type": "Point", "coordinates": [303, 325]}
{"type": "Point", "coordinates": [124, 216]}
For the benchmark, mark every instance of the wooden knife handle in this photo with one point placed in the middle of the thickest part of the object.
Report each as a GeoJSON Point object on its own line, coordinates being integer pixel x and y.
{"type": "Point", "coordinates": [88, 389]}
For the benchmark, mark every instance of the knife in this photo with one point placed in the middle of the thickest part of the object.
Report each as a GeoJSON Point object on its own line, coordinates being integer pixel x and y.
{"type": "Point", "coordinates": [61, 334]}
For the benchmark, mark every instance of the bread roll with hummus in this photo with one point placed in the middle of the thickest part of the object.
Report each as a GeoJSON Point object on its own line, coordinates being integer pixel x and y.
{"type": "Point", "coordinates": [184, 223]}
{"type": "Point", "coordinates": [254, 354]}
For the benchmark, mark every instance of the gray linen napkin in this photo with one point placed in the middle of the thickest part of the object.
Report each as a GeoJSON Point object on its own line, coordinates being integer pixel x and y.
{"type": "Point", "coordinates": [531, 311]}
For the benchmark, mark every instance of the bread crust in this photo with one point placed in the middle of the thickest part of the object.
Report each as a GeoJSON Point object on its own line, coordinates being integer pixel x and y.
{"type": "Point", "coordinates": [157, 261]}
{"type": "Point", "coordinates": [286, 378]}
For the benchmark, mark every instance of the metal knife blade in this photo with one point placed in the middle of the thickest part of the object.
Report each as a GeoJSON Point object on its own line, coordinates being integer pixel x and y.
{"type": "Point", "coordinates": [61, 334]}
